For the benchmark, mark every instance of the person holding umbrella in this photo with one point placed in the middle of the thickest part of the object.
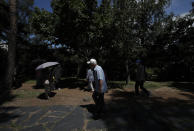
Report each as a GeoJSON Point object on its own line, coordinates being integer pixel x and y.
{"type": "Point", "coordinates": [48, 76]}
{"type": "Point", "coordinates": [57, 72]}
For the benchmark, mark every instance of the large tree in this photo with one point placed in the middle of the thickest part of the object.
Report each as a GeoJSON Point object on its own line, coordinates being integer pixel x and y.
{"type": "Point", "coordinates": [11, 43]}
{"type": "Point", "coordinates": [137, 23]}
{"type": "Point", "coordinates": [116, 33]}
{"type": "Point", "coordinates": [71, 25]}
{"type": "Point", "coordinates": [18, 42]}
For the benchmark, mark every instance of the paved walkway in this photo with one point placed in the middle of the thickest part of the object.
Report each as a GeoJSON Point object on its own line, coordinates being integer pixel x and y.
{"type": "Point", "coordinates": [55, 118]}
{"type": "Point", "coordinates": [80, 118]}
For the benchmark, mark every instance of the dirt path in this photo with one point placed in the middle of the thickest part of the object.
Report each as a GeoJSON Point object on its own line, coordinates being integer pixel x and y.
{"type": "Point", "coordinates": [79, 96]}
{"type": "Point", "coordinates": [72, 109]}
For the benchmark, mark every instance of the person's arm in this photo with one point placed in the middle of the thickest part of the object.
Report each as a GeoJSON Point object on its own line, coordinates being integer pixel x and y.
{"type": "Point", "coordinates": [100, 85]}
{"type": "Point", "coordinates": [87, 77]}
{"type": "Point", "coordinates": [100, 79]}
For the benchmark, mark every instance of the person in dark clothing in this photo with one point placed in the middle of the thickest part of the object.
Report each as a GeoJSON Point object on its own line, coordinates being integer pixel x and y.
{"type": "Point", "coordinates": [47, 83]}
{"type": "Point", "coordinates": [57, 75]}
{"type": "Point", "coordinates": [52, 80]}
{"type": "Point", "coordinates": [99, 102]}
{"type": "Point", "coordinates": [39, 79]}
{"type": "Point", "coordinates": [140, 78]}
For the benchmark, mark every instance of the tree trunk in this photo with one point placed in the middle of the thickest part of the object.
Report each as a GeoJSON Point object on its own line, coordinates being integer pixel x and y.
{"type": "Point", "coordinates": [11, 44]}
{"type": "Point", "coordinates": [127, 71]}
{"type": "Point", "coordinates": [79, 67]}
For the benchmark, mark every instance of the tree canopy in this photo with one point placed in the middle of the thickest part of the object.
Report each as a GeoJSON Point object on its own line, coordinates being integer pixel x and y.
{"type": "Point", "coordinates": [114, 32]}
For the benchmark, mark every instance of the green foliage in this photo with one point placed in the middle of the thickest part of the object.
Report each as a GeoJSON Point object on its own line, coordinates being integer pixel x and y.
{"type": "Point", "coordinates": [26, 94]}
{"type": "Point", "coordinates": [115, 27]}
{"type": "Point", "coordinates": [114, 32]}
{"type": "Point", "coordinates": [42, 24]}
{"type": "Point", "coordinates": [147, 84]}
{"type": "Point", "coordinates": [4, 16]}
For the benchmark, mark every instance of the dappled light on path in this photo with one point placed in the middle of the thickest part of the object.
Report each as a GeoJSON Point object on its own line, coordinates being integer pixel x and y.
{"type": "Point", "coordinates": [168, 108]}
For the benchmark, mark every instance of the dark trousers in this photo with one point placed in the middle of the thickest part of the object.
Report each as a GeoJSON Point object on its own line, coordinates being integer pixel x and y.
{"type": "Point", "coordinates": [99, 101]}
{"type": "Point", "coordinates": [52, 85]}
{"type": "Point", "coordinates": [140, 84]}
{"type": "Point", "coordinates": [57, 83]}
{"type": "Point", "coordinates": [47, 90]}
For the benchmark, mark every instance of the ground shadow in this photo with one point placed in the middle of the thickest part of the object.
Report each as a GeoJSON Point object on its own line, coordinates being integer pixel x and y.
{"type": "Point", "coordinates": [70, 83]}
{"type": "Point", "coordinates": [73, 83]}
{"type": "Point", "coordinates": [43, 95]}
{"type": "Point", "coordinates": [7, 114]}
{"type": "Point", "coordinates": [38, 87]}
{"type": "Point", "coordinates": [189, 96]}
{"type": "Point", "coordinates": [5, 94]}
{"type": "Point", "coordinates": [113, 85]}
{"type": "Point", "coordinates": [128, 112]}
{"type": "Point", "coordinates": [89, 107]}
{"type": "Point", "coordinates": [184, 86]}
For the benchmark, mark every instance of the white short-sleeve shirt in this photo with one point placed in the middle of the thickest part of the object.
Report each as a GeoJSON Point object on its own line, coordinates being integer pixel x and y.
{"type": "Point", "coordinates": [90, 76]}
{"type": "Point", "coordinates": [99, 75]}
